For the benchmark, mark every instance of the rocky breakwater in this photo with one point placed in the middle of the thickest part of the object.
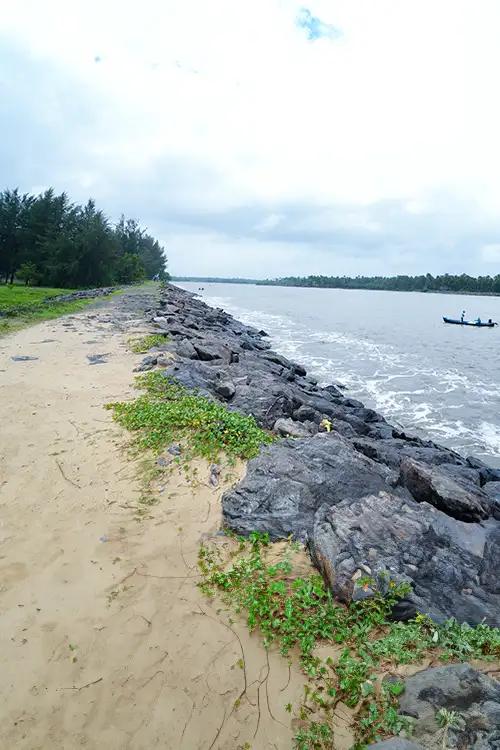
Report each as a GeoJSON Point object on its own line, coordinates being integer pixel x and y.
{"type": "Point", "coordinates": [367, 499]}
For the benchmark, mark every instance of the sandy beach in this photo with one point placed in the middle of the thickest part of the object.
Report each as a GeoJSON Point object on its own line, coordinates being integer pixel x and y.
{"type": "Point", "coordinates": [106, 641]}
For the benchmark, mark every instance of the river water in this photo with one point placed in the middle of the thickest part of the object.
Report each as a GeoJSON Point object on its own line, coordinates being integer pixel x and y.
{"type": "Point", "coordinates": [391, 350]}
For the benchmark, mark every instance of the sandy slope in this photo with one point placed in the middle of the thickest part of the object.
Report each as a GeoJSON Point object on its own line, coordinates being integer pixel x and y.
{"type": "Point", "coordinates": [105, 640]}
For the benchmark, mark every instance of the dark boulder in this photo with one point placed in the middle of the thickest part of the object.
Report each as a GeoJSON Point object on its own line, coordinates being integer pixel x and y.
{"type": "Point", "coordinates": [306, 414]}
{"type": "Point", "coordinates": [211, 349]}
{"type": "Point", "coordinates": [488, 474]}
{"type": "Point", "coordinates": [147, 363]}
{"type": "Point", "coordinates": [225, 389]}
{"type": "Point", "coordinates": [475, 697]}
{"type": "Point", "coordinates": [450, 565]}
{"type": "Point", "coordinates": [184, 348]}
{"type": "Point", "coordinates": [291, 479]}
{"type": "Point", "coordinates": [391, 451]}
{"type": "Point", "coordinates": [454, 495]}
{"type": "Point", "coordinates": [492, 489]}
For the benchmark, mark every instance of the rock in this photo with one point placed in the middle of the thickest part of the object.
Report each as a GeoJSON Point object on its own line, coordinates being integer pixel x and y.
{"type": "Point", "coordinates": [460, 688]}
{"type": "Point", "coordinates": [164, 359]}
{"type": "Point", "coordinates": [492, 489]}
{"type": "Point", "coordinates": [97, 359]}
{"type": "Point", "coordinates": [214, 475]}
{"type": "Point", "coordinates": [208, 350]}
{"type": "Point", "coordinates": [456, 498]}
{"type": "Point", "coordinates": [488, 474]}
{"type": "Point", "coordinates": [184, 348]}
{"type": "Point", "coordinates": [83, 294]}
{"type": "Point", "coordinates": [175, 449]}
{"type": "Point", "coordinates": [225, 389]}
{"type": "Point", "coordinates": [290, 480]}
{"type": "Point", "coordinates": [391, 451]}
{"type": "Point", "coordinates": [396, 743]}
{"type": "Point", "coordinates": [289, 428]}
{"type": "Point", "coordinates": [451, 565]}
{"type": "Point", "coordinates": [306, 413]}
{"type": "Point", "coordinates": [147, 363]}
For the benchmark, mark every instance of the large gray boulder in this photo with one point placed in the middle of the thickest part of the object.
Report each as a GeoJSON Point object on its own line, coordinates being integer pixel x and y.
{"type": "Point", "coordinates": [291, 479]}
{"type": "Point", "coordinates": [475, 697]}
{"type": "Point", "coordinates": [455, 495]}
{"type": "Point", "coordinates": [451, 566]}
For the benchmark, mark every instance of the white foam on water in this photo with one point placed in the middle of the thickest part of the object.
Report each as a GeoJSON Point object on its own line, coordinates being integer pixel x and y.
{"type": "Point", "coordinates": [371, 372]}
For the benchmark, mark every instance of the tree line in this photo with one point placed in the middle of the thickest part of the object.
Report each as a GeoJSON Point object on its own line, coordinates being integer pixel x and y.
{"type": "Point", "coordinates": [424, 283]}
{"type": "Point", "coordinates": [47, 240]}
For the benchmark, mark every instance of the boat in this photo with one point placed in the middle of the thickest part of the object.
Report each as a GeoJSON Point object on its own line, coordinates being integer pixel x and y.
{"type": "Point", "coordinates": [475, 323]}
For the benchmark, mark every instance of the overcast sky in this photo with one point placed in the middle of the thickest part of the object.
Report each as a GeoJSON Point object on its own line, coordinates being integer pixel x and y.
{"type": "Point", "coordinates": [266, 137]}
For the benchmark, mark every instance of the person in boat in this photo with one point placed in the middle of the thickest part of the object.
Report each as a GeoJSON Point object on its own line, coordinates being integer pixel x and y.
{"type": "Point", "coordinates": [462, 316]}
{"type": "Point", "coordinates": [478, 321]}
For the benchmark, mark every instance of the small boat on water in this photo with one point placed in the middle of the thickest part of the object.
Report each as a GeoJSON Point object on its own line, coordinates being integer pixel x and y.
{"type": "Point", "coordinates": [475, 323]}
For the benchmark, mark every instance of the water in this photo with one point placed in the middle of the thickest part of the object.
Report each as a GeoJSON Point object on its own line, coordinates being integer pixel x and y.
{"type": "Point", "coordinates": [392, 351]}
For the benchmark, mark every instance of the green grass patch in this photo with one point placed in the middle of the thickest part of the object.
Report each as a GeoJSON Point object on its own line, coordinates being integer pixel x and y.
{"type": "Point", "coordinates": [168, 412]}
{"type": "Point", "coordinates": [299, 614]}
{"type": "Point", "coordinates": [145, 343]}
{"type": "Point", "coordinates": [21, 306]}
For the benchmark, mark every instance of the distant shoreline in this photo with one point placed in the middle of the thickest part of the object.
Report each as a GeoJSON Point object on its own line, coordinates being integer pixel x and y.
{"type": "Point", "coordinates": [262, 282]}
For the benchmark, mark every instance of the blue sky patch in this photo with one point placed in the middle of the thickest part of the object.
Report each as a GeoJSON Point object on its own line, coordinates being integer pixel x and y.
{"type": "Point", "coordinates": [315, 27]}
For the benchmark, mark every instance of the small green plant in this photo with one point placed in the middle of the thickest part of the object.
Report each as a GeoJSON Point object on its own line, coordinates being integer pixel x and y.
{"type": "Point", "coordinates": [299, 612]}
{"type": "Point", "coordinates": [145, 343]}
{"type": "Point", "coordinates": [448, 720]}
{"type": "Point", "coordinates": [317, 736]}
{"type": "Point", "coordinates": [167, 411]}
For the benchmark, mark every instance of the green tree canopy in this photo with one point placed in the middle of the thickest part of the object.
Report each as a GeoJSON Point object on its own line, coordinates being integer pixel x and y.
{"type": "Point", "coordinates": [48, 240]}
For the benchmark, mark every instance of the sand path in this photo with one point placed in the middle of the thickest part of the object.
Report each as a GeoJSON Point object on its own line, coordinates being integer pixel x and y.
{"type": "Point", "coordinates": [105, 640]}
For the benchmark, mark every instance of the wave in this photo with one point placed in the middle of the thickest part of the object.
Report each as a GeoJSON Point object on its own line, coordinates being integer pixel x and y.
{"type": "Point", "coordinates": [446, 405]}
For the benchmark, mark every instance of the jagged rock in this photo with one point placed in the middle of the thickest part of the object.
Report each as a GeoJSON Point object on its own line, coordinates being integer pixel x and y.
{"type": "Point", "coordinates": [451, 565]}
{"type": "Point", "coordinates": [147, 363]}
{"type": "Point", "coordinates": [488, 474]}
{"type": "Point", "coordinates": [164, 359]}
{"type": "Point", "coordinates": [492, 489]}
{"type": "Point", "coordinates": [291, 479]}
{"type": "Point", "coordinates": [391, 451]}
{"type": "Point", "coordinates": [460, 688]}
{"type": "Point", "coordinates": [458, 499]}
{"type": "Point", "coordinates": [289, 428]}
{"type": "Point", "coordinates": [208, 350]}
{"type": "Point", "coordinates": [225, 389]}
{"type": "Point", "coordinates": [184, 348]}
{"type": "Point", "coordinates": [306, 414]}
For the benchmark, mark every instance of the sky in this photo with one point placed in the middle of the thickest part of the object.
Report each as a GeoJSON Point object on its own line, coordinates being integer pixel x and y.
{"type": "Point", "coordinates": [263, 138]}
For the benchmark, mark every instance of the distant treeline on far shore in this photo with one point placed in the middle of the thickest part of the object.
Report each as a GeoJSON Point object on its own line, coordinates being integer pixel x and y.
{"type": "Point", "coordinates": [45, 240]}
{"type": "Point", "coordinates": [425, 283]}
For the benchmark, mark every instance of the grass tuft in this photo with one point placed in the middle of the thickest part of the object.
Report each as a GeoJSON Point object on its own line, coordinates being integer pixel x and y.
{"type": "Point", "coordinates": [143, 344]}
{"type": "Point", "coordinates": [168, 412]}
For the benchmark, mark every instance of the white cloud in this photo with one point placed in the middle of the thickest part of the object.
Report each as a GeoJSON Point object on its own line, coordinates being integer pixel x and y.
{"type": "Point", "coordinates": [491, 253]}
{"type": "Point", "coordinates": [270, 222]}
{"type": "Point", "coordinates": [239, 109]}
